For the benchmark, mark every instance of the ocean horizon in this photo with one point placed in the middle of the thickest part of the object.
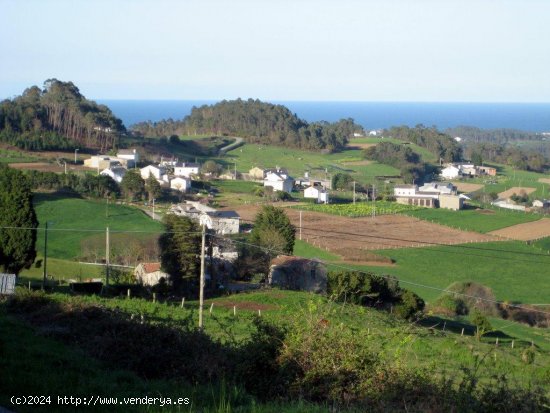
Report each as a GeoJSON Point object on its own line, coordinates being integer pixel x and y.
{"type": "Point", "coordinates": [533, 117]}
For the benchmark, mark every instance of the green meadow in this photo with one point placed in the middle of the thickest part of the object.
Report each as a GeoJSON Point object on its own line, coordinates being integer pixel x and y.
{"type": "Point", "coordinates": [298, 161]}
{"type": "Point", "coordinates": [515, 271]}
{"type": "Point", "coordinates": [473, 219]}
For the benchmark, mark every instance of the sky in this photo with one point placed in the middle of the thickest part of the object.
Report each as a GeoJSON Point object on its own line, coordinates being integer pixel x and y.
{"type": "Point", "coordinates": [337, 50]}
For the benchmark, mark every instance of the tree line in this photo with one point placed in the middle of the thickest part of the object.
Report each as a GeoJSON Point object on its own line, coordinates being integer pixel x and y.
{"type": "Point", "coordinates": [256, 122]}
{"type": "Point", "coordinates": [57, 117]}
{"type": "Point", "coordinates": [514, 156]}
{"type": "Point", "coordinates": [440, 144]}
{"type": "Point", "coordinates": [401, 157]}
{"type": "Point", "coordinates": [498, 135]}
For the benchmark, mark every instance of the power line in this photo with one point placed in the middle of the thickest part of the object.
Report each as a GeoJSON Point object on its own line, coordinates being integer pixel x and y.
{"type": "Point", "coordinates": [392, 278]}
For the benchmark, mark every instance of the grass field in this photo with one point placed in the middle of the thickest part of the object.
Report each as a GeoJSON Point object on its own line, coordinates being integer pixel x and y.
{"type": "Point", "coordinates": [479, 220]}
{"type": "Point", "coordinates": [10, 156]}
{"type": "Point", "coordinates": [298, 161]}
{"type": "Point", "coordinates": [426, 155]}
{"type": "Point", "coordinates": [409, 345]}
{"type": "Point", "coordinates": [516, 272]}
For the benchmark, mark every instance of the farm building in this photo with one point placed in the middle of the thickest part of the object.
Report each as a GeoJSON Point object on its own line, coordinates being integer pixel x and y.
{"type": "Point", "coordinates": [318, 193]}
{"type": "Point", "coordinates": [130, 155]}
{"type": "Point", "coordinates": [104, 162]}
{"type": "Point", "coordinates": [486, 170]}
{"type": "Point", "coordinates": [439, 187]}
{"type": "Point", "coordinates": [504, 203]}
{"type": "Point", "coordinates": [545, 203]}
{"type": "Point", "coordinates": [257, 173]}
{"type": "Point", "coordinates": [300, 274]}
{"type": "Point", "coordinates": [405, 190]}
{"type": "Point", "coordinates": [149, 273]}
{"type": "Point", "coordinates": [425, 200]}
{"type": "Point", "coordinates": [449, 201]}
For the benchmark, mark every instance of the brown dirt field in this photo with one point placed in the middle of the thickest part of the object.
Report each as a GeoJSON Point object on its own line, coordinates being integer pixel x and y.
{"type": "Point", "coordinates": [525, 232]}
{"type": "Point", "coordinates": [353, 145]}
{"type": "Point", "coordinates": [351, 237]}
{"type": "Point", "coordinates": [544, 180]}
{"type": "Point", "coordinates": [47, 167]}
{"type": "Point", "coordinates": [466, 187]}
{"type": "Point", "coordinates": [516, 190]}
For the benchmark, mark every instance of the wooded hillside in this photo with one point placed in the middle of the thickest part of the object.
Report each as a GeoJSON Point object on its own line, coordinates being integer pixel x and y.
{"type": "Point", "coordinates": [257, 122]}
{"type": "Point", "coordinates": [57, 117]}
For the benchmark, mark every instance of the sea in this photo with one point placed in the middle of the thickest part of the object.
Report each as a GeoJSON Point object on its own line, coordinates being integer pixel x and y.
{"type": "Point", "coordinates": [532, 117]}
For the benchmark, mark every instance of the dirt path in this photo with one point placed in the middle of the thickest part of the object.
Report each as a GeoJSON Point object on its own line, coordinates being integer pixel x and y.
{"type": "Point", "coordinates": [355, 239]}
{"type": "Point", "coordinates": [525, 232]}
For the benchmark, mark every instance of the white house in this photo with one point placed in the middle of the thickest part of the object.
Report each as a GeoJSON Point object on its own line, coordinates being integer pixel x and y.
{"type": "Point", "coordinates": [149, 273]}
{"type": "Point", "coordinates": [223, 222]}
{"type": "Point", "coordinates": [317, 193]}
{"type": "Point", "coordinates": [186, 169]}
{"type": "Point", "coordinates": [405, 190]}
{"type": "Point", "coordinates": [445, 188]}
{"type": "Point", "coordinates": [180, 184]}
{"type": "Point", "coordinates": [156, 171]}
{"type": "Point", "coordinates": [279, 181]}
{"type": "Point", "coordinates": [450, 172]}
{"type": "Point", "coordinates": [130, 155]}
{"type": "Point", "coordinates": [116, 173]}
{"type": "Point", "coordinates": [537, 203]}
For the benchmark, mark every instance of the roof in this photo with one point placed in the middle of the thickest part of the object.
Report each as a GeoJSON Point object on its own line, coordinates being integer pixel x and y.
{"type": "Point", "coordinates": [405, 186]}
{"type": "Point", "coordinates": [282, 260]}
{"type": "Point", "coordinates": [126, 151]}
{"type": "Point", "coordinates": [151, 266]}
{"type": "Point", "coordinates": [224, 214]}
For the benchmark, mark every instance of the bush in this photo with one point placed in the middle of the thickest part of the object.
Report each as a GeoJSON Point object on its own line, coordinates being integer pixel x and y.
{"type": "Point", "coordinates": [411, 306]}
{"type": "Point", "coordinates": [451, 305]}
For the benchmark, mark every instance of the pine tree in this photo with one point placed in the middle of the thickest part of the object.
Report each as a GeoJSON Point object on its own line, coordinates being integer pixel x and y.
{"type": "Point", "coordinates": [273, 230]}
{"type": "Point", "coordinates": [132, 185]}
{"type": "Point", "coordinates": [180, 250]}
{"type": "Point", "coordinates": [17, 245]}
{"type": "Point", "coordinates": [153, 188]}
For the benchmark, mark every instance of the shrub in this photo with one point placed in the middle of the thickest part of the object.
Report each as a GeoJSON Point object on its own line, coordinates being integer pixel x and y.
{"type": "Point", "coordinates": [450, 304]}
{"type": "Point", "coordinates": [411, 305]}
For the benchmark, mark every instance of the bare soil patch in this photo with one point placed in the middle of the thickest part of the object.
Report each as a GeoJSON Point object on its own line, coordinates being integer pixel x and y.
{"type": "Point", "coordinates": [467, 187]}
{"type": "Point", "coordinates": [352, 238]}
{"type": "Point", "coordinates": [544, 180]}
{"type": "Point", "coordinates": [516, 190]}
{"type": "Point", "coordinates": [525, 232]}
{"type": "Point", "coordinates": [360, 145]}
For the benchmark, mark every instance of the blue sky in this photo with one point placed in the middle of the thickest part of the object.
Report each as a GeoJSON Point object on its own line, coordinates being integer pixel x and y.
{"type": "Point", "coordinates": [387, 50]}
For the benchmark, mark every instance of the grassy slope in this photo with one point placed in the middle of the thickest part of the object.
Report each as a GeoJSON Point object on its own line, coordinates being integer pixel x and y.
{"type": "Point", "coordinates": [515, 271]}
{"type": "Point", "coordinates": [399, 341]}
{"type": "Point", "coordinates": [298, 161]}
{"type": "Point", "coordinates": [86, 215]}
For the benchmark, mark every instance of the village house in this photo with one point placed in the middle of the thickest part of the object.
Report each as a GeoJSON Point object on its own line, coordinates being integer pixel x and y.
{"type": "Point", "coordinates": [318, 193]}
{"type": "Point", "coordinates": [439, 187]}
{"type": "Point", "coordinates": [223, 222]}
{"type": "Point", "coordinates": [279, 181]}
{"type": "Point", "coordinates": [116, 173]}
{"type": "Point", "coordinates": [256, 173]}
{"type": "Point", "coordinates": [158, 172]}
{"type": "Point", "coordinates": [487, 170]}
{"type": "Point", "coordinates": [544, 203]}
{"type": "Point", "coordinates": [299, 274]}
{"type": "Point", "coordinates": [130, 155]}
{"type": "Point", "coordinates": [150, 274]}
{"type": "Point", "coordinates": [186, 169]}
{"type": "Point", "coordinates": [451, 172]}
{"type": "Point", "coordinates": [432, 195]}
{"type": "Point", "coordinates": [306, 180]}
{"type": "Point", "coordinates": [104, 162]}
{"type": "Point", "coordinates": [180, 184]}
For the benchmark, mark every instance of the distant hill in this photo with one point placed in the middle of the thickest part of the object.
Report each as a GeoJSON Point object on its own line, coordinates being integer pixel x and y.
{"type": "Point", "coordinates": [57, 117]}
{"type": "Point", "coordinates": [257, 122]}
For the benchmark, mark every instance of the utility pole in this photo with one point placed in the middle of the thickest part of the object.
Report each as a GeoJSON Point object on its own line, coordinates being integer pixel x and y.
{"type": "Point", "coordinates": [235, 170]}
{"type": "Point", "coordinates": [201, 294]}
{"type": "Point", "coordinates": [65, 167]}
{"type": "Point", "coordinates": [153, 208]}
{"type": "Point", "coordinates": [300, 225]}
{"type": "Point", "coordinates": [107, 208]}
{"type": "Point", "coordinates": [354, 192]}
{"type": "Point", "coordinates": [374, 201]}
{"type": "Point", "coordinates": [45, 255]}
{"type": "Point", "coordinates": [75, 151]}
{"type": "Point", "coordinates": [107, 256]}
